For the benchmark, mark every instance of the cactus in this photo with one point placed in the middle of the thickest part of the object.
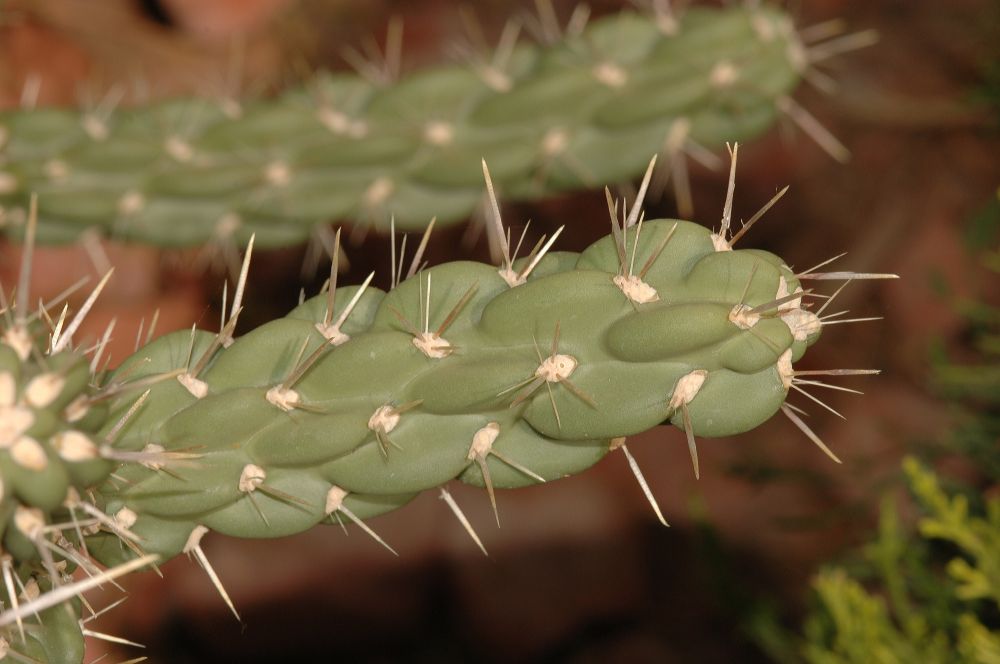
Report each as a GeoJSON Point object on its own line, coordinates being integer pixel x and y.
{"type": "Point", "coordinates": [359, 399]}
{"type": "Point", "coordinates": [582, 109]}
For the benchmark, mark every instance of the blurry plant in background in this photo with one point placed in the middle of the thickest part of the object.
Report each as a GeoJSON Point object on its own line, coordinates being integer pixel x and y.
{"type": "Point", "coordinates": [936, 593]}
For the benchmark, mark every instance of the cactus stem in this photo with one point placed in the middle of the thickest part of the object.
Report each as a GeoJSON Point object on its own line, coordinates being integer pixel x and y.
{"type": "Point", "coordinates": [640, 478]}
{"type": "Point", "coordinates": [76, 589]}
{"type": "Point", "coordinates": [788, 410]}
{"type": "Point", "coordinates": [193, 546]}
{"type": "Point", "coordinates": [460, 515]}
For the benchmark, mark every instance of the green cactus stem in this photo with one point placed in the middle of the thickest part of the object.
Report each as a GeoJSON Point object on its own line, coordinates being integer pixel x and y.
{"type": "Point", "coordinates": [359, 399]}
{"type": "Point", "coordinates": [582, 110]}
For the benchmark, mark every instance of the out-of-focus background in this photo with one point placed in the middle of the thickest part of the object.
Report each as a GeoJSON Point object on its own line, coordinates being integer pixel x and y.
{"type": "Point", "coordinates": [580, 571]}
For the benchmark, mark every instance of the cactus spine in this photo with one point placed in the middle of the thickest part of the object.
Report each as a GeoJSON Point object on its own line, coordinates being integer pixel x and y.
{"type": "Point", "coordinates": [359, 399]}
{"type": "Point", "coordinates": [583, 110]}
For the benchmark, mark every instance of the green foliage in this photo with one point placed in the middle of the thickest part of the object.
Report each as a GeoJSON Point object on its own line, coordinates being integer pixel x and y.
{"type": "Point", "coordinates": [938, 596]}
{"type": "Point", "coordinates": [974, 385]}
{"type": "Point", "coordinates": [923, 614]}
{"type": "Point", "coordinates": [586, 109]}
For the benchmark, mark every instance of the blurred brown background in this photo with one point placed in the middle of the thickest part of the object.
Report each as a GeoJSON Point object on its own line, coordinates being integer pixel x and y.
{"type": "Point", "coordinates": [580, 571]}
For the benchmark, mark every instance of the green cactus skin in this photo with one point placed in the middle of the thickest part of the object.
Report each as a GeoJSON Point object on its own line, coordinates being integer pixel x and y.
{"type": "Point", "coordinates": [394, 406]}
{"type": "Point", "coordinates": [583, 111]}
{"type": "Point", "coordinates": [359, 399]}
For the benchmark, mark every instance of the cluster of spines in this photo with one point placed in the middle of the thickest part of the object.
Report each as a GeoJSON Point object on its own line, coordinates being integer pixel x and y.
{"type": "Point", "coordinates": [582, 108]}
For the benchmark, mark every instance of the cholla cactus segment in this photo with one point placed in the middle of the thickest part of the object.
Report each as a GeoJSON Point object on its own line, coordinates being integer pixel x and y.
{"type": "Point", "coordinates": [359, 399]}
{"type": "Point", "coordinates": [454, 373]}
{"type": "Point", "coordinates": [581, 111]}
